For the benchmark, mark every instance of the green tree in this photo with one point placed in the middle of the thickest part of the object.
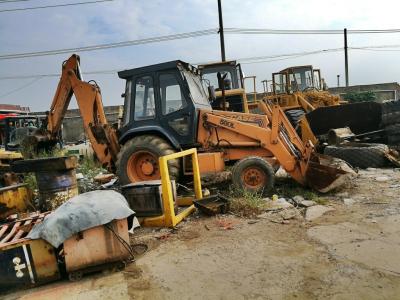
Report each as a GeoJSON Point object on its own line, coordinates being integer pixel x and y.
{"type": "Point", "coordinates": [359, 97]}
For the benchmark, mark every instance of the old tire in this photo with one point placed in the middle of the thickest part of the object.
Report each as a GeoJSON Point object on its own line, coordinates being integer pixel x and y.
{"type": "Point", "coordinates": [360, 155]}
{"type": "Point", "coordinates": [390, 113]}
{"type": "Point", "coordinates": [138, 159]}
{"type": "Point", "coordinates": [393, 134]}
{"type": "Point", "coordinates": [253, 174]}
{"type": "Point", "coordinates": [294, 116]}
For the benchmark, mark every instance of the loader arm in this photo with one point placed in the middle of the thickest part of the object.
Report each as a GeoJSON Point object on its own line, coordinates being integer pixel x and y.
{"type": "Point", "coordinates": [285, 145]}
{"type": "Point", "coordinates": [88, 96]}
{"type": "Point", "coordinates": [274, 134]}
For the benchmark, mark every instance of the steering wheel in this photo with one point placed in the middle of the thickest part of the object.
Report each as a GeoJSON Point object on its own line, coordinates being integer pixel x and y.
{"type": "Point", "coordinates": [309, 88]}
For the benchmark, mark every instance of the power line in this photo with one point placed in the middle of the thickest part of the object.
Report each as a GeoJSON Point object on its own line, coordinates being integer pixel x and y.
{"type": "Point", "coordinates": [246, 60]}
{"type": "Point", "coordinates": [112, 45]}
{"type": "Point", "coordinates": [22, 87]}
{"type": "Point", "coordinates": [306, 31]}
{"type": "Point", "coordinates": [290, 54]}
{"type": "Point", "coordinates": [182, 36]}
{"type": "Point", "coordinates": [52, 6]}
{"type": "Point", "coordinates": [9, 1]}
{"type": "Point", "coordinates": [100, 72]}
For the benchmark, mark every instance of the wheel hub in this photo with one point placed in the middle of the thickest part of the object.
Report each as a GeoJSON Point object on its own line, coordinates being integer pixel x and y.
{"type": "Point", "coordinates": [254, 177]}
{"type": "Point", "coordinates": [142, 165]}
{"type": "Point", "coordinates": [147, 167]}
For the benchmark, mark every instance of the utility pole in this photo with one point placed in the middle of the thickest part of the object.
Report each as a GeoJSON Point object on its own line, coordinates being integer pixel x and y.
{"type": "Point", "coordinates": [221, 31]}
{"type": "Point", "coordinates": [346, 59]}
{"type": "Point", "coordinates": [338, 80]}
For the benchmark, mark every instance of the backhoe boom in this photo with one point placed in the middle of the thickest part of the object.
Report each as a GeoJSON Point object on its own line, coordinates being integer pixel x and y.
{"type": "Point", "coordinates": [88, 96]}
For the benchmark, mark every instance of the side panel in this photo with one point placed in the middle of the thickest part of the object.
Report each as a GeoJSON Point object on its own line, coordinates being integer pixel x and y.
{"type": "Point", "coordinates": [96, 246]}
{"type": "Point", "coordinates": [27, 263]}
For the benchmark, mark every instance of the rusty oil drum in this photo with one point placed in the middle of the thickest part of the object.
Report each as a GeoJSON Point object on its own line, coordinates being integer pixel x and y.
{"type": "Point", "coordinates": [55, 177]}
{"type": "Point", "coordinates": [56, 187]}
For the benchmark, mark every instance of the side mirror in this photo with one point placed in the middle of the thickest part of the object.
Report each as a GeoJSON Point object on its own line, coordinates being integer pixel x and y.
{"type": "Point", "coordinates": [211, 93]}
{"type": "Point", "coordinates": [123, 95]}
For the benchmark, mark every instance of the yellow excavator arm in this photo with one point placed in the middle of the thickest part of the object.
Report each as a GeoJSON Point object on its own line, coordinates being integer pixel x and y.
{"type": "Point", "coordinates": [88, 96]}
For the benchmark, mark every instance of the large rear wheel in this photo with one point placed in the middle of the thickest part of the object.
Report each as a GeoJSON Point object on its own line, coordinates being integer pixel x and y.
{"type": "Point", "coordinates": [253, 174]}
{"type": "Point", "coordinates": [138, 159]}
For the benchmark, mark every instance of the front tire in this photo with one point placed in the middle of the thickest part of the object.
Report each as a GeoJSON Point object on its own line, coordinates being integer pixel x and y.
{"type": "Point", "coordinates": [253, 174]}
{"type": "Point", "coordinates": [138, 159]}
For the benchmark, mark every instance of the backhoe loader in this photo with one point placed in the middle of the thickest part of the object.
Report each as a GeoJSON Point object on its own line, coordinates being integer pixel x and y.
{"type": "Point", "coordinates": [167, 109]}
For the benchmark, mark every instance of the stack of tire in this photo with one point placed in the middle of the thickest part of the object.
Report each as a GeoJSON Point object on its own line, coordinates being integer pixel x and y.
{"type": "Point", "coordinates": [364, 155]}
{"type": "Point", "coordinates": [360, 155]}
{"type": "Point", "coordinates": [391, 122]}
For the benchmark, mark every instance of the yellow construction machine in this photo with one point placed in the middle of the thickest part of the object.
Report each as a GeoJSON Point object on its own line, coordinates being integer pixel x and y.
{"type": "Point", "coordinates": [166, 110]}
{"type": "Point", "coordinates": [228, 82]}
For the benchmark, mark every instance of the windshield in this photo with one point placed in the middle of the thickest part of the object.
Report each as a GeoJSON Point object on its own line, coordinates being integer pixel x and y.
{"type": "Point", "coordinates": [279, 83]}
{"type": "Point", "coordinates": [197, 90]}
{"type": "Point", "coordinates": [317, 80]}
{"type": "Point", "coordinates": [212, 78]}
{"type": "Point", "coordinates": [303, 79]}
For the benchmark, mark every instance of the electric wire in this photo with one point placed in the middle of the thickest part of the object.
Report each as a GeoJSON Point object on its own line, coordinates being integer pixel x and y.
{"type": "Point", "coordinates": [245, 60]}
{"type": "Point", "coordinates": [10, 1]}
{"type": "Point", "coordinates": [53, 6]}
{"type": "Point", "coordinates": [169, 38]}
{"type": "Point", "coordinates": [21, 87]}
{"type": "Point", "coordinates": [307, 31]}
{"type": "Point", "coordinates": [112, 45]}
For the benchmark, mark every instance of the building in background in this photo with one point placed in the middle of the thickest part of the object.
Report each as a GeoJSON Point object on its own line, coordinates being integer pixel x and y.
{"type": "Point", "coordinates": [383, 91]}
{"type": "Point", "coordinates": [72, 126]}
{"type": "Point", "coordinates": [12, 108]}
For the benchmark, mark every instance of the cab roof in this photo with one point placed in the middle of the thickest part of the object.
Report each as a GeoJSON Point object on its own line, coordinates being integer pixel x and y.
{"type": "Point", "coordinates": [174, 64]}
{"type": "Point", "coordinates": [295, 67]}
{"type": "Point", "coordinates": [217, 64]}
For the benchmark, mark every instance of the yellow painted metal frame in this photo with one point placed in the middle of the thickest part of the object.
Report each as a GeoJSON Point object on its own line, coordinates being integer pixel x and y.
{"type": "Point", "coordinates": [169, 218]}
{"type": "Point", "coordinates": [15, 198]}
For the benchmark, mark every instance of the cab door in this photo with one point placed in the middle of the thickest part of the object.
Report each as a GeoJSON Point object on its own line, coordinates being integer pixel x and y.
{"type": "Point", "coordinates": [175, 108]}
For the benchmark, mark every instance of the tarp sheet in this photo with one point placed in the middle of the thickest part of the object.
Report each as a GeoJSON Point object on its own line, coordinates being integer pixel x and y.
{"type": "Point", "coordinates": [80, 213]}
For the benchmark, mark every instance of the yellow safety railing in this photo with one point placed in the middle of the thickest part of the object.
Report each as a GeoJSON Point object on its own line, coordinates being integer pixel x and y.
{"type": "Point", "coordinates": [169, 218]}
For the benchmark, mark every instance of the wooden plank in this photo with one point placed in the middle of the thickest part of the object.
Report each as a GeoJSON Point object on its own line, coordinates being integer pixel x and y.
{"type": "Point", "coordinates": [11, 234]}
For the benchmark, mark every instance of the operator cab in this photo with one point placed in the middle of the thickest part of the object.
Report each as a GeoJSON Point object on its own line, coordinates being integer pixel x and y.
{"type": "Point", "coordinates": [165, 99]}
{"type": "Point", "coordinates": [296, 79]}
{"type": "Point", "coordinates": [232, 83]}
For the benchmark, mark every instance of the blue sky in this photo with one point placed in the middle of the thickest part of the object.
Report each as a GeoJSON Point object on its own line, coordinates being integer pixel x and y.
{"type": "Point", "coordinates": [123, 20]}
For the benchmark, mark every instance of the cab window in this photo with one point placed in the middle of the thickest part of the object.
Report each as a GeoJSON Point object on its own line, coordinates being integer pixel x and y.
{"type": "Point", "coordinates": [172, 98]}
{"type": "Point", "coordinates": [144, 98]}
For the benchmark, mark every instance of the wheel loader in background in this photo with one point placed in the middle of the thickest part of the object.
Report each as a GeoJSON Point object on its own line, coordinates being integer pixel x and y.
{"type": "Point", "coordinates": [167, 109]}
{"type": "Point", "coordinates": [299, 90]}
{"type": "Point", "coordinates": [228, 81]}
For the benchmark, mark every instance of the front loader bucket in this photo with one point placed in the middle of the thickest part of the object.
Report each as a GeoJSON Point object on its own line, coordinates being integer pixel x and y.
{"type": "Point", "coordinates": [325, 173]}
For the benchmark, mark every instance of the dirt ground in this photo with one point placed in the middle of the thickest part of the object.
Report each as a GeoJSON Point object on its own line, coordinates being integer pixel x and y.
{"type": "Point", "coordinates": [349, 253]}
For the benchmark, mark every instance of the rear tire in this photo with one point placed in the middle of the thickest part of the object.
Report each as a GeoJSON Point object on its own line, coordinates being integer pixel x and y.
{"type": "Point", "coordinates": [253, 174]}
{"type": "Point", "coordinates": [393, 134]}
{"type": "Point", "coordinates": [294, 116]}
{"type": "Point", "coordinates": [138, 159]}
{"type": "Point", "coordinates": [360, 155]}
{"type": "Point", "coordinates": [390, 113]}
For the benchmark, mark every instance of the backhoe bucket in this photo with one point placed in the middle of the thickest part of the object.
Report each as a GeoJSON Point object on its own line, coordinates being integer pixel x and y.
{"type": "Point", "coordinates": [325, 173]}
{"type": "Point", "coordinates": [37, 142]}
